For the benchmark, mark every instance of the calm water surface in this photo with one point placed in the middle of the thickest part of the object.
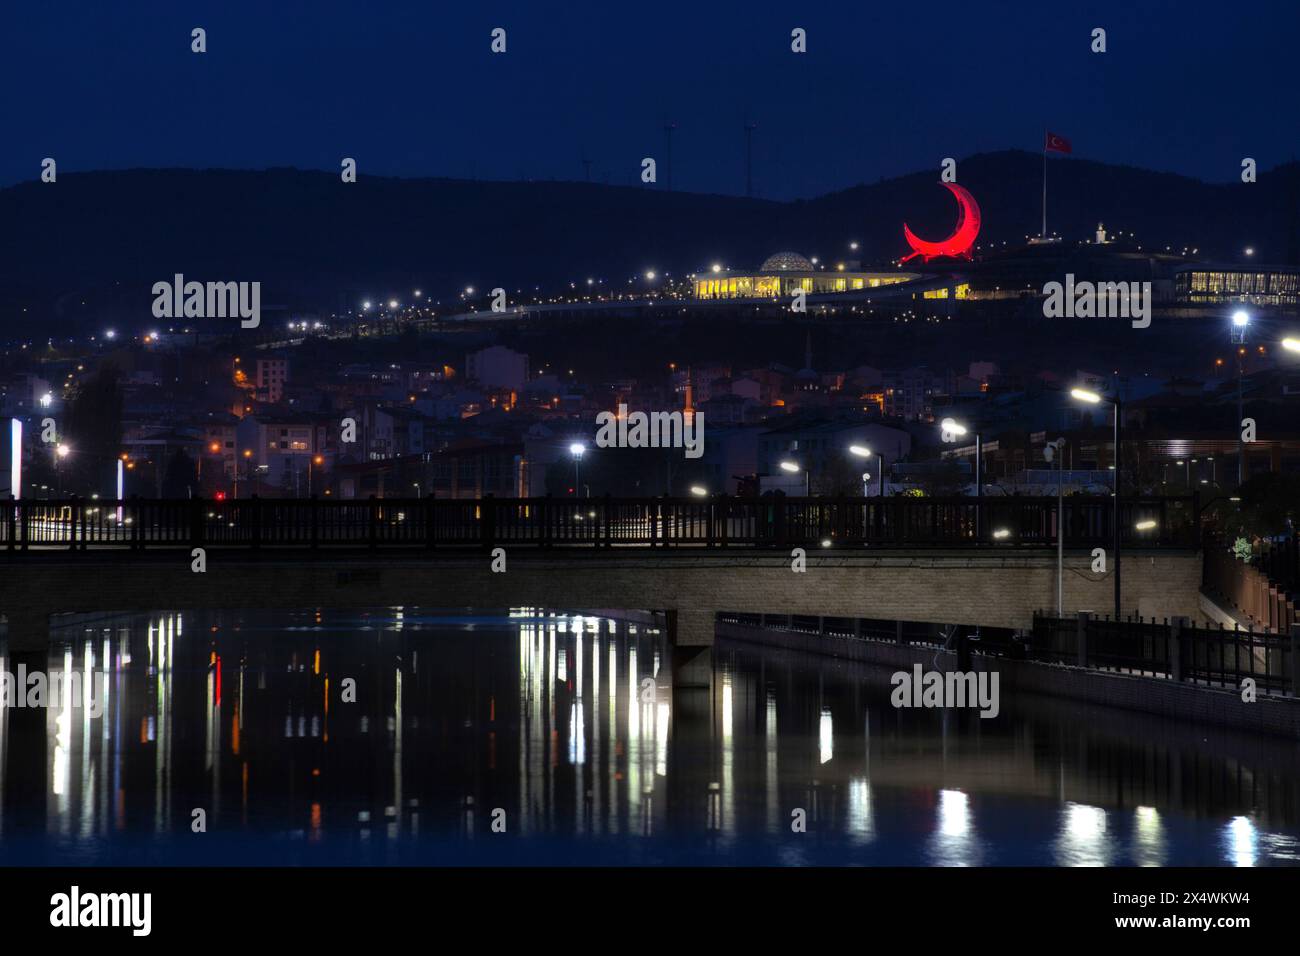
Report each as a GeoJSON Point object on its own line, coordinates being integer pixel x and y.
{"type": "Point", "coordinates": [569, 725]}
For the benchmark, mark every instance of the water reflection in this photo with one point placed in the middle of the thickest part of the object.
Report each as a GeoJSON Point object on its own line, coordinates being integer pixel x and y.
{"type": "Point", "coordinates": [396, 735]}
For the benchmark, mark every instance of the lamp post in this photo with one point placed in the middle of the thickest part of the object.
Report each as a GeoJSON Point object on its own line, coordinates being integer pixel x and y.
{"type": "Point", "coordinates": [950, 432]}
{"type": "Point", "coordinates": [861, 451]}
{"type": "Point", "coordinates": [1092, 398]}
{"type": "Point", "coordinates": [577, 450]}
{"type": "Point", "coordinates": [61, 451]}
{"type": "Point", "coordinates": [792, 467]}
{"type": "Point", "coordinates": [1052, 451]}
{"type": "Point", "coordinates": [313, 460]}
{"type": "Point", "coordinates": [1240, 322]}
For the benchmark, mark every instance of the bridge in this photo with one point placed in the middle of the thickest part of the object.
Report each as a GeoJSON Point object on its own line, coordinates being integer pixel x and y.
{"type": "Point", "coordinates": [980, 561]}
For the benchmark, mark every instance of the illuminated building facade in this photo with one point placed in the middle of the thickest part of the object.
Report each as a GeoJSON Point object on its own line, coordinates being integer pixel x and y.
{"type": "Point", "coordinates": [1261, 285]}
{"type": "Point", "coordinates": [788, 272]}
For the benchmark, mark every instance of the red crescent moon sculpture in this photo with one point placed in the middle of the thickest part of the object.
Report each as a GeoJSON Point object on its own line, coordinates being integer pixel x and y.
{"type": "Point", "coordinates": [963, 236]}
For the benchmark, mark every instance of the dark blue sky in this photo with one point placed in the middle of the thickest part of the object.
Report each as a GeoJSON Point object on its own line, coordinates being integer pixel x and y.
{"type": "Point", "coordinates": [411, 88]}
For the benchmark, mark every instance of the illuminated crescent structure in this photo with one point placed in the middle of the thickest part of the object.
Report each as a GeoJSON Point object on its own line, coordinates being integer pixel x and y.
{"type": "Point", "coordinates": [963, 236]}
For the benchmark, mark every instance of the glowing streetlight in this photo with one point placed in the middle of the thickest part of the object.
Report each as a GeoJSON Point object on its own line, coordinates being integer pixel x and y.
{"type": "Point", "coordinates": [951, 429]}
{"type": "Point", "coordinates": [860, 451]}
{"type": "Point", "coordinates": [790, 466]}
{"type": "Point", "coordinates": [699, 491]}
{"type": "Point", "coordinates": [62, 450]}
{"type": "Point", "coordinates": [1146, 525]}
{"type": "Point", "coordinates": [1093, 398]}
{"type": "Point", "coordinates": [1002, 534]}
{"type": "Point", "coordinates": [577, 449]}
{"type": "Point", "coordinates": [1291, 344]}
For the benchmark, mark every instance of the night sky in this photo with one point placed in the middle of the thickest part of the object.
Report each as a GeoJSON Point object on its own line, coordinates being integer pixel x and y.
{"type": "Point", "coordinates": [411, 89]}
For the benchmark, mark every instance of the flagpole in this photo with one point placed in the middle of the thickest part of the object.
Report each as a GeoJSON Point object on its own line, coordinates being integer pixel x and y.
{"type": "Point", "coordinates": [1044, 233]}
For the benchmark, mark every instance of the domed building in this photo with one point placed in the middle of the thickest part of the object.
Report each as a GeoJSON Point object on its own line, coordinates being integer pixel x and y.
{"type": "Point", "coordinates": [784, 273]}
{"type": "Point", "coordinates": [786, 262]}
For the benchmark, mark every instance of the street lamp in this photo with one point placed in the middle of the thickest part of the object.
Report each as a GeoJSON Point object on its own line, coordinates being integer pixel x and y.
{"type": "Point", "coordinates": [792, 467]}
{"type": "Point", "coordinates": [952, 430]}
{"type": "Point", "coordinates": [699, 491]}
{"type": "Point", "coordinates": [577, 450]}
{"type": "Point", "coordinates": [1093, 398]}
{"type": "Point", "coordinates": [861, 451]}
{"type": "Point", "coordinates": [1240, 322]}
{"type": "Point", "coordinates": [60, 452]}
{"type": "Point", "coordinates": [1051, 451]}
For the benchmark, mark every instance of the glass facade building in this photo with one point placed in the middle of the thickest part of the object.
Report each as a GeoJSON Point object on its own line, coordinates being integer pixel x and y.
{"type": "Point", "coordinates": [1261, 285]}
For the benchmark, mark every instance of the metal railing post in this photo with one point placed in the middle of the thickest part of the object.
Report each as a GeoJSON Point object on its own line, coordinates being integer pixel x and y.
{"type": "Point", "coordinates": [255, 504]}
{"type": "Point", "coordinates": [196, 522]}
{"type": "Point", "coordinates": [487, 526]}
{"type": "Point", "coordinates": [1176, 647]}
{"type": "Point", "coordinates": [1081, 639]}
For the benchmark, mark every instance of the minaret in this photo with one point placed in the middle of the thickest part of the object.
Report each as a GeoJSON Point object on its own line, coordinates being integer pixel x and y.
{"type": "Point", "coordinates": [1101, 234]}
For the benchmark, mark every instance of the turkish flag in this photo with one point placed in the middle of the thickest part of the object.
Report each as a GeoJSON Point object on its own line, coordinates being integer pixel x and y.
{"type": "Point", "coordinates": [1056, 144]}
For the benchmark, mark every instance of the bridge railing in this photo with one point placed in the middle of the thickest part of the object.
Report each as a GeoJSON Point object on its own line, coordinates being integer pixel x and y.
{"type": "Point", "coordinates": [1176, 650]}
{"type": "Point", "coordinates": [1264, 589]}
{"type": "Point", "coordinates": [717, 522]}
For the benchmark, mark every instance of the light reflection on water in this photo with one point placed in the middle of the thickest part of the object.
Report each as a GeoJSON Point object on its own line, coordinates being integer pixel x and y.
{"type": "Point", "coordinates": [397, 736]}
